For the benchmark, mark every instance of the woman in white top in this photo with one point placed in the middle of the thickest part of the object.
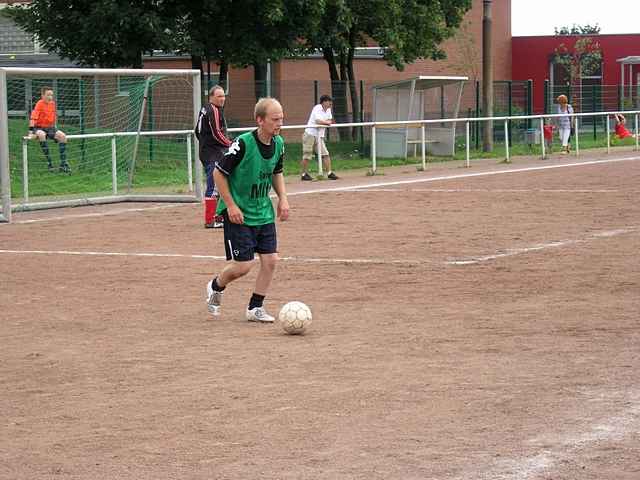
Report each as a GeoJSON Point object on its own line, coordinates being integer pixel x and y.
{"type": "Point", "coordinates": [564, 122]}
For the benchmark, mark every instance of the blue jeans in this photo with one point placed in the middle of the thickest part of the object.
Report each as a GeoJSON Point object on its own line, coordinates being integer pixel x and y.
{"type": "Point", "coordinates": [211, 187]}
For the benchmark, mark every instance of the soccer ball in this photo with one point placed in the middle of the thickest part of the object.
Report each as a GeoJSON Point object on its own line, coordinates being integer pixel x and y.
{"type": "Point", "coordinates": [295, 318]}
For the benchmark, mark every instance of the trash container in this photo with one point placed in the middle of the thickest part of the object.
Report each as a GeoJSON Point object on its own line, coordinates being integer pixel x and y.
{"type": "Point", "coordinates": [532, 136]}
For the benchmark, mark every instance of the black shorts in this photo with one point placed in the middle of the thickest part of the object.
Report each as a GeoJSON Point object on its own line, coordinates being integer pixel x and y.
{"type": "Point", "coordinates": [50, 132]}
{"type": "Point", "coordinates": [242, 242]}
{"type": "Point", "coordinates": [212, 155]}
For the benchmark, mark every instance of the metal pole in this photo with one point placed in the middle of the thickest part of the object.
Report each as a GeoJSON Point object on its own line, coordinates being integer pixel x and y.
{"type": "Point", "coordinates": [424, 147]}
{"type": "Point", "coordinates": [487, 75]}
{"type": "Point", "coordinates": [361, 129]}
{"type": "Point", "coordinates": [467, 145]}
{"type": "Point", "coordinates": [315, 92]}
{"type": "Point", "coordinates": [510, 108]}
{"type": "Point", "coordinates": [544, 152]}
{"type": "Point", "coordinates": [189, 163]}
{"type": "Point", "coordinates": [577, 129]}
{"type": "Point", "coordinates": [477, 124]}
{"type": "Point", "coordinates": [637, 135]}
{"type": "Point", "coordinates": [608, 134]}
{"type": "Point", "coordinates": [114, 166]}
{"type": "Point", "coordinates": [25, 171]}
{"type": "Point", "coordinates": [319, 152]}
{"type": "Point", "coordinates": [373, 149]}
{"type": "Point", "coordinates": [529, 101]}
{"type": "Point", "coordinates": [4, 149]}
{"type": "Point", "coordinates": [137, 140]}
{"type": "Point", "coordinates": [546, 97]}
{"type": "Point", "coordinates": [506, 139]}
{"type": "Point", "coordinates": [197, 104]}
{"type": "Point", "coordinates": [594, 118]}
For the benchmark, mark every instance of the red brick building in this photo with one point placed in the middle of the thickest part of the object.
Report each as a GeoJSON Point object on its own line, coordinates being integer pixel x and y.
{"type": "Point", "coordinates": [533, 58]}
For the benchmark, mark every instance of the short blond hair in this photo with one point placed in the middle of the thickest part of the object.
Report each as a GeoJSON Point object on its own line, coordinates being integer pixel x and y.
{"type": "Point", "coordinates": [563, 99]}
{"type": "Point", "coordinates": [263, 105]}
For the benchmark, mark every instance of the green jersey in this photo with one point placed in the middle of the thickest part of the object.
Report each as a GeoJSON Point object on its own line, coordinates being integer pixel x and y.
{"type": "Point", "coordinates": [249, 166]}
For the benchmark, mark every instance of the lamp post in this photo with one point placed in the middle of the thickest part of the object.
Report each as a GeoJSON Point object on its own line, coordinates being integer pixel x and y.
{"type": "Point", "coordinates": [487, 75]}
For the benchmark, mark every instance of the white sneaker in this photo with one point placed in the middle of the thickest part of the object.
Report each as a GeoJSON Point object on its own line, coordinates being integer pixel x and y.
{"type": "Point", "coordinates": [214, 299]}
{"type": "Point", "coordinates": [259, 314]}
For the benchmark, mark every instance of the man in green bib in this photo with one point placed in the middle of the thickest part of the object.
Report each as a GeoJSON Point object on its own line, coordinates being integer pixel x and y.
{"type": "Point", "coordinates": [244, 177]}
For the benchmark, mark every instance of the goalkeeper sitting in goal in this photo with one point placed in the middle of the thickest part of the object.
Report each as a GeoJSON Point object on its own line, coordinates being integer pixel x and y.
{"type": "Point", "coordinates": [43, 125]}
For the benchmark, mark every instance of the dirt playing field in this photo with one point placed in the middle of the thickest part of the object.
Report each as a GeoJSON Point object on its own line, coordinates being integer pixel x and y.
{"type": "Point", "coordinates": [469, 324]}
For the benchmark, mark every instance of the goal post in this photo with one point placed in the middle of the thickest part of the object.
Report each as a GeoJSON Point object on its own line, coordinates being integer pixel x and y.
{"type": "Point", "coordinates": [128, 137]}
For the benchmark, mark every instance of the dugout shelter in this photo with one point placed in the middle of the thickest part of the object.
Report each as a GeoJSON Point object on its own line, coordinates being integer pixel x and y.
{"type": "Point", "coordinates": [417, 98]}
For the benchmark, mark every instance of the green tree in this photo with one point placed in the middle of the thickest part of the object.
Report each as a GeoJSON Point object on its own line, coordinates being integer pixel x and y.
{"type": "Point", "coordinates": [406, 30]}
{"type": "Point", "coordinates": [578, 30]}
{"type": "Point", "coordinates": [583, 59]}
{"type": "Point", "coordinates": [107, 33]}
{"type": "Point", "coordinates": [243, 32]}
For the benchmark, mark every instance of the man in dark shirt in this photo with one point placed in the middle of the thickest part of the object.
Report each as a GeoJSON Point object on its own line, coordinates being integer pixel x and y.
{"type": "Point", "coordinates": [211, 131]}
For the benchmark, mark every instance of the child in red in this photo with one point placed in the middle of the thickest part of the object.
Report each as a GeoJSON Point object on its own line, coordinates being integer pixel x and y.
{"type": "Point", "coordinates": [621, 130]}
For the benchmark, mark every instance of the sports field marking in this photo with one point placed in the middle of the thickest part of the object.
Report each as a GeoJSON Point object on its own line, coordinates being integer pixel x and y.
{"type": "Point", "coordinates": [486, 190]}
{"type": "Point", "coordinates": [211, 257]}
{"type": "Point", "coordinates": [464, 175]}
{"type": "Point", "coordinates": [350, 188]}
{"type": "Point", "coordinates": [560, 448]}
{"type": "Point", "coordinates": [543, 246]}
{"type": "Point", "coordinates": [352, 261]}
{"type": "Point", "coordinates": [95, 214]}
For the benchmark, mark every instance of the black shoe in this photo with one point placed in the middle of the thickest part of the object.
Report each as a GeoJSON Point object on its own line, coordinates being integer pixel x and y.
{"type": "Point", "coordinates": [306, 177]}
{"type": "Point", "coordinates": [65, 168]}
{"type": "Point", "coordinates": [51, 169]}
{"type": "Point", "coordinates": [332, 176]}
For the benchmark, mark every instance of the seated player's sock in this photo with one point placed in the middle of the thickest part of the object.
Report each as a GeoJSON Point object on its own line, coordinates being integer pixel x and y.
{"type": "Point", "coordinates": [256, 301]}
{"type": "Point", "coordinates": [63, 153]}
{"type": "Point", "coordinates": [45, 149]}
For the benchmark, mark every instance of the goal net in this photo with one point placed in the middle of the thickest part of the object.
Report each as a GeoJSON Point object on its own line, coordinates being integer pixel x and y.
{"type": "Point", "coordinates": [129, 136]}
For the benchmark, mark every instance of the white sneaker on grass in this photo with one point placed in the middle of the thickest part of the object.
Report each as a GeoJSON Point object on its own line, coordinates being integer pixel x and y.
{"type": "Point", "coordinates": [214, 299]}
{"type": "Point", "coordinates": [259, 314]}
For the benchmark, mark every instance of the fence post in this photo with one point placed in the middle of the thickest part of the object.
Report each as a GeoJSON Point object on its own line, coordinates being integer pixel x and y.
{"type": "Point", "coordinates": [542, 144]}
{"type": "Point", "coordinates": [424, 146]}
{"type": "Point", "coordinates": [373, 149]}
{"type": "Point", "coordinates": [315, 92]}
{"type": "Point", "coordinates": [510, 108]}
{"type": "Point", "coordinates": [189, 162]}
{"type": "Point", "coordinates": [619, 99]}
{"type": "Point", "coordinates": [467, 144]}
{"type": "Point", "coordinates": [577, 129]}
{"type": "Point", "coordinates": [361, 118]}
{"type": "Point", "coordinates": [546, 97]}
{"type": "Point", "coordinates": [637, 136]}
{"type": "Point", "coordinates": [529, 101]}
{"type": "Point", "coordinates": [506, 139]}
{"type": "Point", "coordinates": [594, 118]}
{"type": "Point", "coordinates": [25, 171]}
{"type": "Point", "coordinates": [608, 134]}
{"type": "Point", "coordinates": [477, 124]}
{"type": "Point", "coordinates": [114, 166]}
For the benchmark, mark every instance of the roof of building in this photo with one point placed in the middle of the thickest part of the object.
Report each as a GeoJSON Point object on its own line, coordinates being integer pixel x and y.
{"type": "Point", "coordinates": [633, 59]}
{"type": "Point", "coordinates": [423, 82]}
